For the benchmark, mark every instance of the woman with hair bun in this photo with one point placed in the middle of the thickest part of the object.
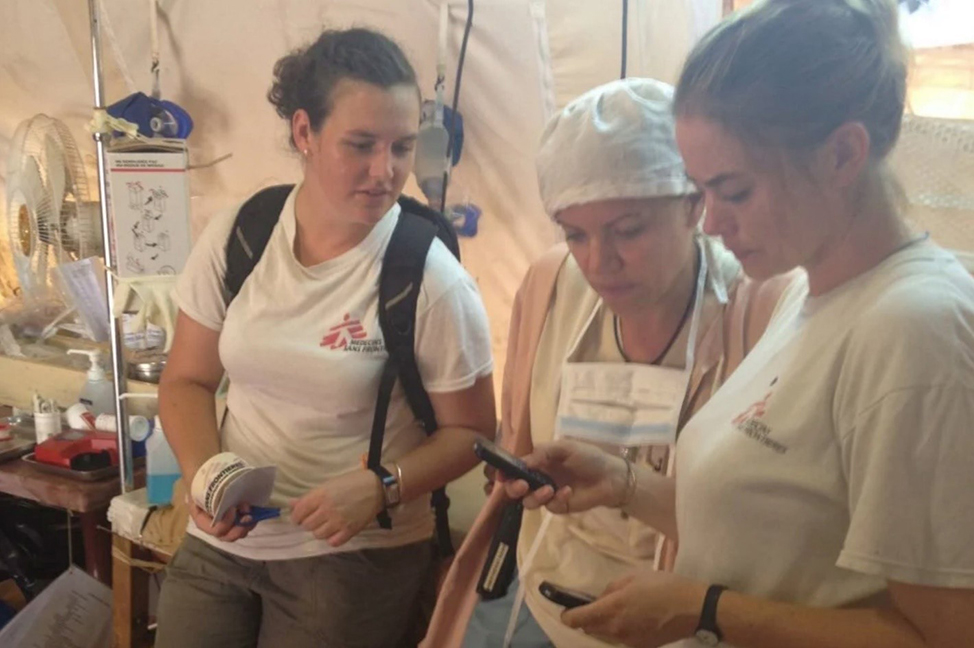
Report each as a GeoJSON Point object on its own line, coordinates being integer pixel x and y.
{"type": "Point", "coordinates": [303, 350]}
{"type": "Point", "coordinates": [823, 496]}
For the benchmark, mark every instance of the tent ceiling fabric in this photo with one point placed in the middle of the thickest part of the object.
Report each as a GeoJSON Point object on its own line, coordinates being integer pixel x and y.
{"type": "Point", "coordinates": [525, 58]}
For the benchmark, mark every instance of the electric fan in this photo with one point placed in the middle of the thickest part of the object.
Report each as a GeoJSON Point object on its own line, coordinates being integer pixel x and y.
{"type": "Point", "coordinates": [51, 218]}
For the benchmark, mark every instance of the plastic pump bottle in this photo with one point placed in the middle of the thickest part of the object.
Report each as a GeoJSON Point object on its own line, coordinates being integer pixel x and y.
{"type": "Point", "coordinates": [162, 468]}
{"type": "Point", "coordinates": [98, 394]}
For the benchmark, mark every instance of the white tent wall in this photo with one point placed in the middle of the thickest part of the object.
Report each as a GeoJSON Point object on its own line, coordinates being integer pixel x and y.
{"type": "Point", "coordinates": [585, 44]}
{"type": "Point", "coordinates": [525, 58]}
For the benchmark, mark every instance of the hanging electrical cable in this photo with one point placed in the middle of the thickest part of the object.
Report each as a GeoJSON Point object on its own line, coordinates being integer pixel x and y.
{"type": "Point", "coordinates": [456, 99]}
{"type": "Point", "coordinates": [154, 41]}
{"type": "Point", "coordinates": [151, 115]}
{"type": "Point", "coordinates": [625, 36]}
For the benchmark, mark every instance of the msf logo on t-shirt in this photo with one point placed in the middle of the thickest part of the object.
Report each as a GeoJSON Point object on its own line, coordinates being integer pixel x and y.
{"type": "Point", "coordinates": [751, 424]}
{"type": "Point", "coordinates": [350, 335]}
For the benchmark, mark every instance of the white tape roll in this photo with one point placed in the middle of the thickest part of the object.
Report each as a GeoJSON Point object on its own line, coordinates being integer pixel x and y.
{"type": "Point", "coordinates": [79, 417]}
{"type": "Point", "coordinates": [139, 426]}
{"type": "Point", "coordinates": [212, 478]}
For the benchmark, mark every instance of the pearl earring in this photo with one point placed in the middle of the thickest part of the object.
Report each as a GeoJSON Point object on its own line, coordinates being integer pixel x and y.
{"type": "Point", "coordinates": [305, 152]}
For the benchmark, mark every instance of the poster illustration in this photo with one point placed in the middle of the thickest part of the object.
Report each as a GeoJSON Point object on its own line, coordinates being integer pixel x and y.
{"type": "Point", "coordinates": [150, 212]}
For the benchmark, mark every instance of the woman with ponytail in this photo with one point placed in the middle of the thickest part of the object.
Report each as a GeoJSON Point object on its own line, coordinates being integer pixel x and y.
{"type": "Point", "coordinates": [823, 496]}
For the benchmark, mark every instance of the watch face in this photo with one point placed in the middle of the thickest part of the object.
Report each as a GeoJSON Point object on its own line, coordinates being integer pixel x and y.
{"type": "Point", "coordinates": [390, 486]}
{"type": "Point", "coordinates": [707, 638]}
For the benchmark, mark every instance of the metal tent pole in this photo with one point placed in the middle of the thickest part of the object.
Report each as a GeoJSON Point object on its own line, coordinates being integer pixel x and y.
{"type": "Point", "coordinates": [118, 360]}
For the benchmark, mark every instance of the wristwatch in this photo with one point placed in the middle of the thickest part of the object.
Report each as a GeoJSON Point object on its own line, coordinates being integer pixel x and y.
{"type": "Point", "coordinates": [391, 491]}
{"type": "Point", "coordinates": [708, 633]}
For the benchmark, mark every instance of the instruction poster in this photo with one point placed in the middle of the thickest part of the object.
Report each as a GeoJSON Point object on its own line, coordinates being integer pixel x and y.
{"type": "Point", "coordinates": [150, 212]}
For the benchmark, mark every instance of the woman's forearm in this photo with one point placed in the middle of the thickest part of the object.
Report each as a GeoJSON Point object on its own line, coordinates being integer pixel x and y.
{"type": "Point", "coordinates": [188, 413]}
{"type": "Point", "coordinates": [445, 456]}
{"type": "Point", "coordinates": [749, 622]}
{"type": "Point", "coordinates": [654, 500]}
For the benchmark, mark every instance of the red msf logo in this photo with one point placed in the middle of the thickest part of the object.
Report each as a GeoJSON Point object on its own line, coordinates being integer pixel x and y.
{"type": "Point", "coordinates": [339, 336]}
{"type": "Point", "coordinates": [754, 411]}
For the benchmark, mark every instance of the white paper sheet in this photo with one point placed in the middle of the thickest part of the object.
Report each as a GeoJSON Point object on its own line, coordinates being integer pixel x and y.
{"type": "Point", "coordinates": [81, 282]}
{"type": "Point", "coordinates": [75, 611]}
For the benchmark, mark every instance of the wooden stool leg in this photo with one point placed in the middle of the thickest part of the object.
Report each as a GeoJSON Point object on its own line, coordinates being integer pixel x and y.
{"type": "Point", "coordinates": [130, 610]}
{"type": "Point", "coordinates": [98, 547]}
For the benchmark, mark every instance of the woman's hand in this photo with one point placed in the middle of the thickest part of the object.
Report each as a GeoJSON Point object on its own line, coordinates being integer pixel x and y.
{"type": "Point", "coordinates": [341, 507]}
{"type": "Point", "coordinates": [586, 477]}
{"type": "Point", "coordinates": [644, 610]}
{"type": "Point", "coordinates": [490, 478]}
{"type": "Point", "coordinates": [224, 529]}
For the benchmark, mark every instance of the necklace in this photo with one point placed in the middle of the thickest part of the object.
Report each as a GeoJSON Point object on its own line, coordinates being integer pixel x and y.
{"type": "Point", "coordinates": [913, 241]}
{"type": "Point", "coordinates": [617, 326]}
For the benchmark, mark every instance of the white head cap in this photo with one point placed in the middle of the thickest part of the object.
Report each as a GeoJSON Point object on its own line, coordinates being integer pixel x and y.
{"type": "Point", "coordinates": [615, 141]}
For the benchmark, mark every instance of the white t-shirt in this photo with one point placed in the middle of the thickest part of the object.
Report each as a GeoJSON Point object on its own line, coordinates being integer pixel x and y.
{"type": "Point", "coordinates": [304, 353]}
{"type": "Point", "coordinates": [838, 454]}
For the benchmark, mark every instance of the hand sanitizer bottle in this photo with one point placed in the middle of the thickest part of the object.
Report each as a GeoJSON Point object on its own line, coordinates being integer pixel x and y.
{"type": "Point", "coordinates": [98, 394]}
{"type": "Point", "coordinates": [162, 468]}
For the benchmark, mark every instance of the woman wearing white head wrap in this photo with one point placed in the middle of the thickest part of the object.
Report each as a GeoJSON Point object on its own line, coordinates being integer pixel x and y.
{"type": "Point", "coordinates": [611, 176]}
{"type": "Point", "coordinates": [637, 289]}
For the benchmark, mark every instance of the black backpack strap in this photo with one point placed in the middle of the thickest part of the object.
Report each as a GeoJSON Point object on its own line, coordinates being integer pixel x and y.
{"type": "Point", "coordinates": [400, 281]}
{"type": "Point", "coordinates": [399, 284]}
{"type": "Point", "coordinates": [444, 228]}
{"type": "Point", "coordinates": [249, 236]}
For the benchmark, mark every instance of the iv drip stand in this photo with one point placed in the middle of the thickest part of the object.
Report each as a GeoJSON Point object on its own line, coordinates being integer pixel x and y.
{"type": "Point", "coordinates": [115, 325]}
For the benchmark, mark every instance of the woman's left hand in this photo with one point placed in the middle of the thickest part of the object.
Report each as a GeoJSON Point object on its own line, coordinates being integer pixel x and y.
{"type": "Point", "coordinates": [341, 507]}
{"type": "Point", "coordinates": [644, 610]}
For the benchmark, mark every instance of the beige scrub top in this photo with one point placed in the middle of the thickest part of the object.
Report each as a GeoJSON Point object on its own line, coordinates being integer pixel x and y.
{"type": "Point", "coordinates": [585, 551]}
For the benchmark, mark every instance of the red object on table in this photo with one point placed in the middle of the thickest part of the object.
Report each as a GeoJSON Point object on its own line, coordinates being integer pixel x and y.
{"type": "Point", "coordinates": [62, 449]}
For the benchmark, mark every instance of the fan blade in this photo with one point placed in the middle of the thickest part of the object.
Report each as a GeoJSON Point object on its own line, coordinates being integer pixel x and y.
{"type": "Point", "coordinates": [27, 275]}
{"type": "Point", "coordinates": [30, 181]}
{"type": "Point", "coordinates": [38, 202]}
{"type": "Point", "coordinates": [55, 173]}
{"type": "Point", "coordinates": [16, 156]}
{"type": "Point", "coordinates": [42, 262]}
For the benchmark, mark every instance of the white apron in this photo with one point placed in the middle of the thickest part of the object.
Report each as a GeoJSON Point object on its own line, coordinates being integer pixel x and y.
{"type": "Point", "coordinates": [634, 408]}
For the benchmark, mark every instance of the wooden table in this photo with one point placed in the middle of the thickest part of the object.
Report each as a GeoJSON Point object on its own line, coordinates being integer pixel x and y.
{"type": "Point", "coordinates": [130, 593]}
{"type": "Point", "coordinates": [89, 500]}
{"type": "Point", "coordinates": [19, 379]}
{"type": "Point", "coordinates": [132, 564]}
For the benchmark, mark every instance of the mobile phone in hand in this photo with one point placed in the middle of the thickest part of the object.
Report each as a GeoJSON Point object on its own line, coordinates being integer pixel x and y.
{"type": "Point", "coordinates": [563, 596]}
{"type": "Point", "coordinates": [511, 466]}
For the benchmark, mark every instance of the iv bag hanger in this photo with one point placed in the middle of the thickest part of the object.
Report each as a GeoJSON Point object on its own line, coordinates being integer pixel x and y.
{"type": "Point", "coordinates": [117, 359]}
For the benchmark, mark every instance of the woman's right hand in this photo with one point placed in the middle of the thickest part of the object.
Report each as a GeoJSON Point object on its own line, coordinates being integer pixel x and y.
{"type": "Point", "coordinates": [224, 529]}
{"type": "Point", "coordinates": [586, 477]}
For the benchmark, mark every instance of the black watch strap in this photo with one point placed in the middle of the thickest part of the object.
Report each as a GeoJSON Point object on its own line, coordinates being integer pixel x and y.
{"type": "Point", "coordinates": [390, 485]}
{"type": "Point", "coordinates": [708, 615]}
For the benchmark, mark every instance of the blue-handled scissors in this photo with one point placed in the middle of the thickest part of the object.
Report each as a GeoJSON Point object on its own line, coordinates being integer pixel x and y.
{"type": "Point", "coordinates": [256, 514]}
